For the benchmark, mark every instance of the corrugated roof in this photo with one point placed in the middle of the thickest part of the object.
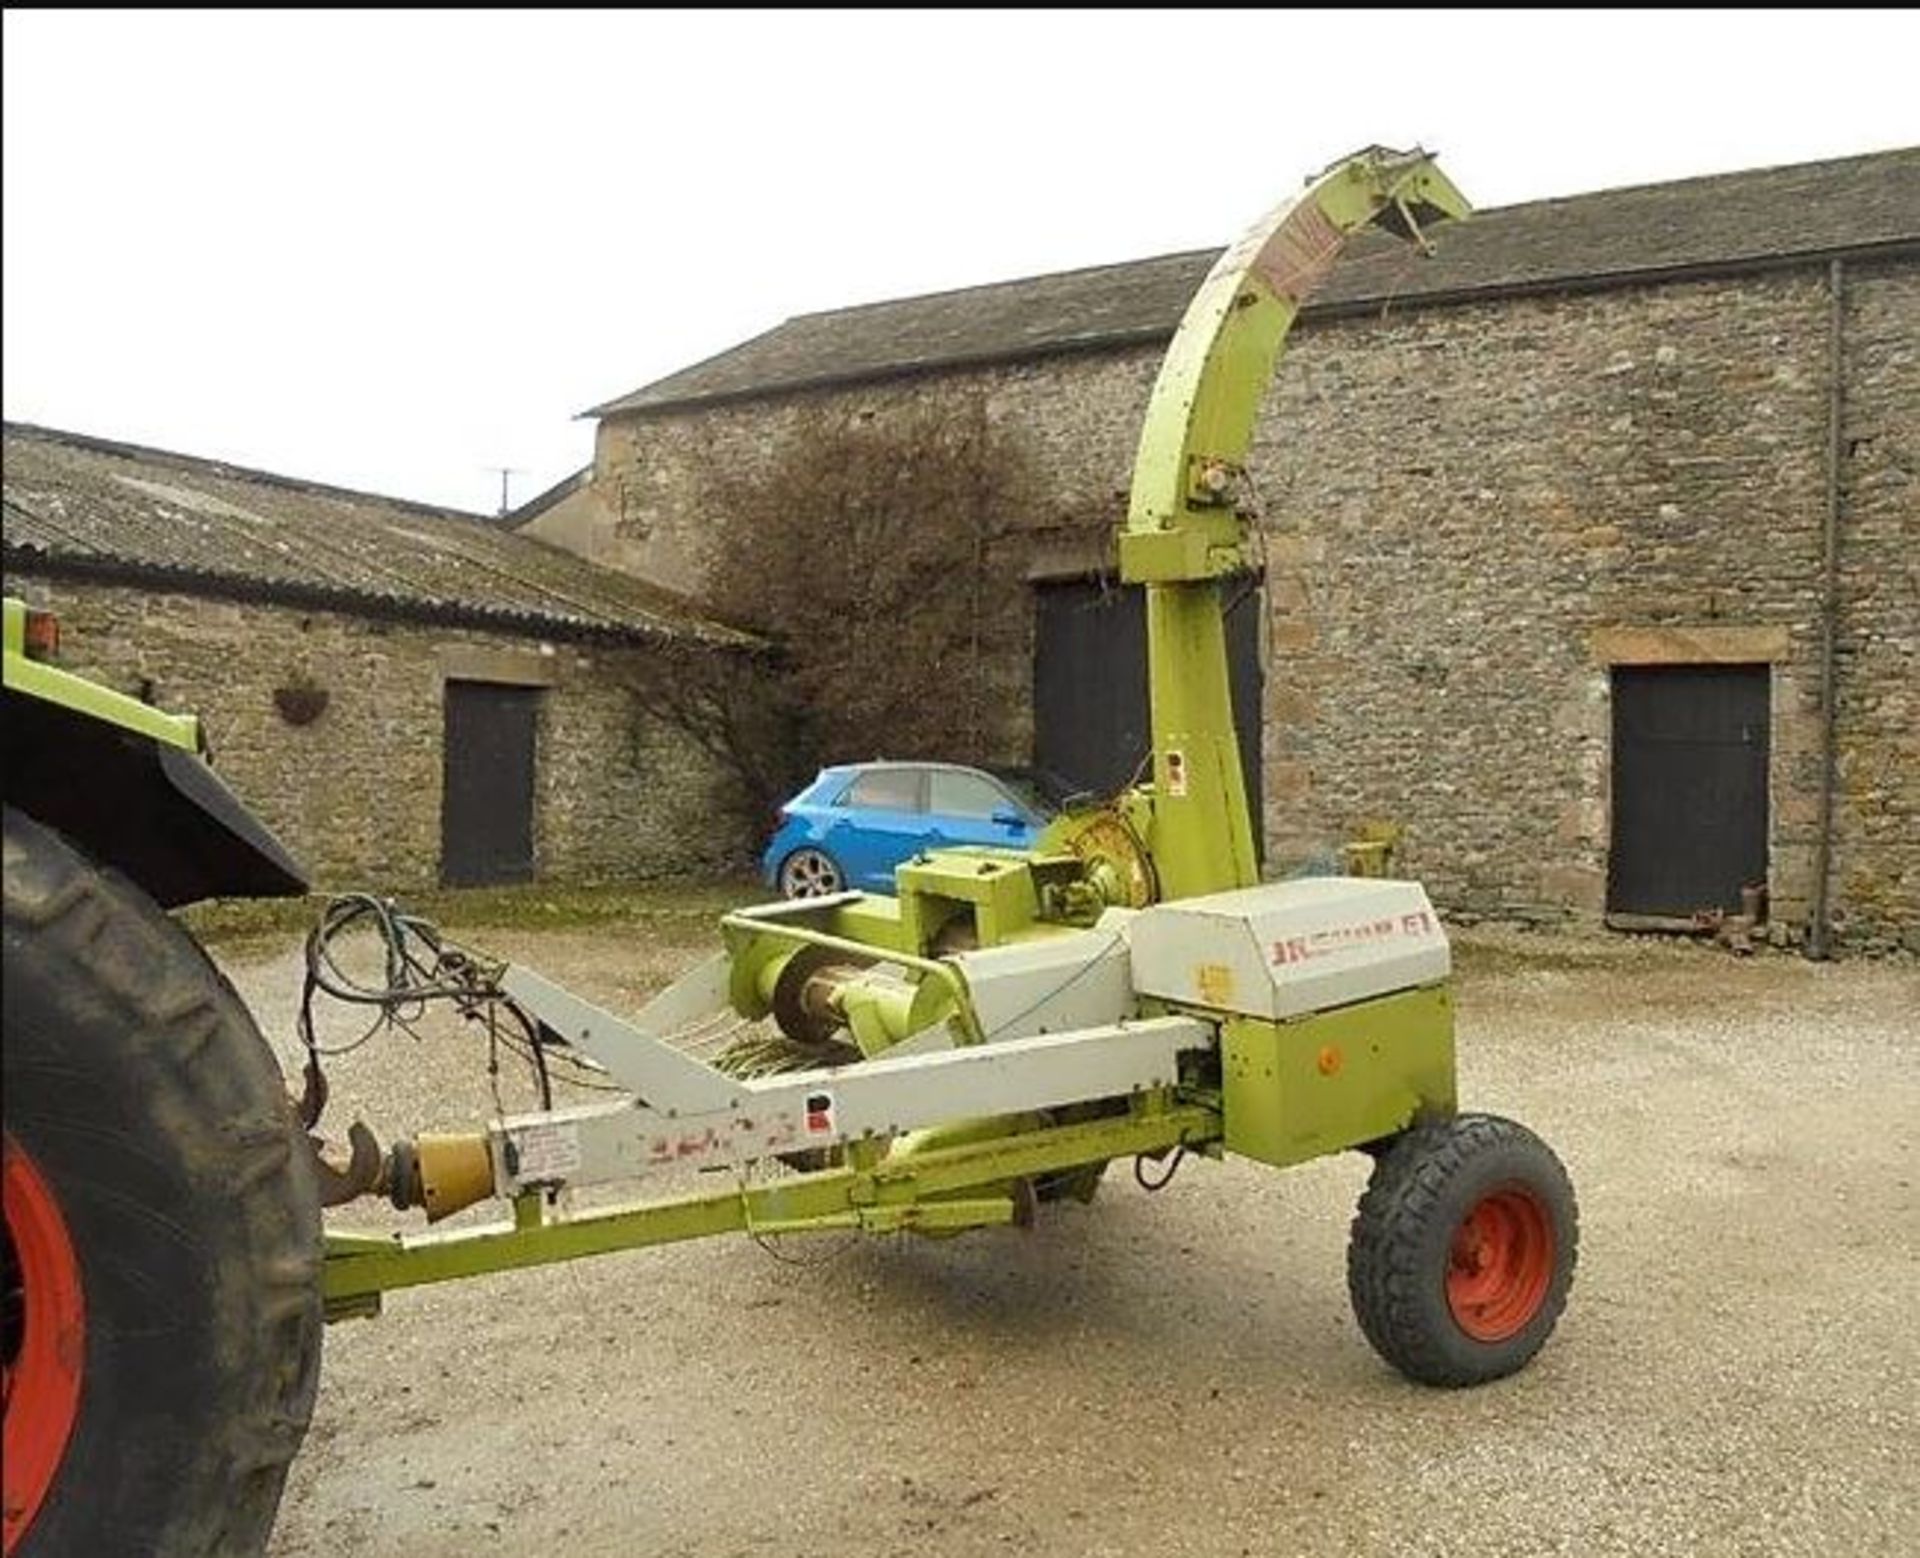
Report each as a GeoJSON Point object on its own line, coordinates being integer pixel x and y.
{"type": "Point", "coordinates": [88, 505]}
{"type": "Point", "coordinates": [1730, 220]}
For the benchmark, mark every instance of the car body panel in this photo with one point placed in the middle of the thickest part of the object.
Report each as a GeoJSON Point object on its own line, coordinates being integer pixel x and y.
{"type": "Point", "coordinates": [869, 817]}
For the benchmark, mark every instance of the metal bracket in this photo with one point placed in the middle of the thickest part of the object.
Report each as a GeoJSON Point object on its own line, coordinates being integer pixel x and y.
{"type": "Point", "coordinates": [362, 1173]}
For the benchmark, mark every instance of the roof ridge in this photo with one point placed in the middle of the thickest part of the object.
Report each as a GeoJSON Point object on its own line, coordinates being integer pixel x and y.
{"type": "Point", "coordinates": [122, 448]}
{"type": "Point", "coordinates": [601, 408]}
{"type": "Point", "coordinates": [1010, 281]}
{"type": "Point", "coordinates": [1142, 261]}
{"type": "Point", "coordinates": [1190, 254]}
{"type": "Point", "coordinates": [1708, 178]}
{"type": "Point", "coordinates": [73, 503]}
{"type": "Point", "coordinates": [806, 348]}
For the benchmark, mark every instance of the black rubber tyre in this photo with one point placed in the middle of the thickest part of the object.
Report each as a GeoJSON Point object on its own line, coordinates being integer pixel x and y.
{"type": "Point", "coordinates": [811, 873]}
{"type": "Point", "coordinates": [140, 1089]}
{"type": "Point", "coordinates": [1463, 1250]}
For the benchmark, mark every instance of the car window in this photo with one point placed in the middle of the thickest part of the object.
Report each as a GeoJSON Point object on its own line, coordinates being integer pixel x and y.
{"type": "Point", "coordinates": [885, 789]}
{"type": "Point", "coordinates": [1044, 792]}
{"type": "Point", "coordinates": [965, 795]}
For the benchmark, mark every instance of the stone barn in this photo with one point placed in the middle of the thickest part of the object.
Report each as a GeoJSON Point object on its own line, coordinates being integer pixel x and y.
{"type": "Point", "coordinates": [409, 696]}
{"type": "Point", "coordinates": [1593, 538]}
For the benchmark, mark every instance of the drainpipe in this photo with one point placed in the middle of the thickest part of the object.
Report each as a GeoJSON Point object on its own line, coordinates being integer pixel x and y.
{"type": "Point", "coordinates": [1819, 931]}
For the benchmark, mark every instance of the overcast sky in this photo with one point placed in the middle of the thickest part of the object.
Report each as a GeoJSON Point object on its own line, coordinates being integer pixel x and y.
{"type": "Point", "coordinates": [392, 250]}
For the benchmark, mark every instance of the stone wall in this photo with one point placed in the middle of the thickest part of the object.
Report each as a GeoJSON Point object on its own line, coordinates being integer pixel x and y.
{"type": "Point", "coordinates": [1477, 511]}
{"type": "Point", "coordinates": [1074, 448]}
{"type": "Point", "coordinates": [355, 794]}
{"type": "Point", "coordinates": [1877, 847]}
{"type": "Point", "coordinates": [1463, 498]}
{"type": "Point", "coordinates": [1473, 512]}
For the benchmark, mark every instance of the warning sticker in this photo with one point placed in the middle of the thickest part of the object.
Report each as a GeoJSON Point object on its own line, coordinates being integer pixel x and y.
{"type": "Point", "coordinates": [1215, 983]}
{"type": "Point", "coordinates": [547, 1152]}
{"type": "Point", "coordinates": [820, 1114]}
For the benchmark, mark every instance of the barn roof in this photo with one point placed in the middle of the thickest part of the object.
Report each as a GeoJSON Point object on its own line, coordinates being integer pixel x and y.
{"type": "Point", "coordinates": [119, 512]}
{"type": "Point", "coordinates": [1723, 222]}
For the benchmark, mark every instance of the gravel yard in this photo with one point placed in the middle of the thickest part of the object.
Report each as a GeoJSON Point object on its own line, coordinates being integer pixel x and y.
{"type": "Point", "coordinates": [1736, 1372]}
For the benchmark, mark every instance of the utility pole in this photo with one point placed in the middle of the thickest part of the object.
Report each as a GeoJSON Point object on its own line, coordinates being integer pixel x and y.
{"type": "Point", "coordinates": [505, 471]}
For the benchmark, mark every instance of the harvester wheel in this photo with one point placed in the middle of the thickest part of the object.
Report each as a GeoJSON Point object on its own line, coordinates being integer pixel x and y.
{"type": "Point", "coordinates": [1463, 1250]}
{"type": "Point", "coordinates": [162, 1322]}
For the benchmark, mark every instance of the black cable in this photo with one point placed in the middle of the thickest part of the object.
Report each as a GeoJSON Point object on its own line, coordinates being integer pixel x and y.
{"type": "Point", "coordinates": [419, 966]}
{"type": "Point", "coordinates": [1150, 1185]}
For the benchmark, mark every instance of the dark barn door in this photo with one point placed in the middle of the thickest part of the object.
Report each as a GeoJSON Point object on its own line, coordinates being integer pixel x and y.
{"type": "Point", "coordinates": [1689, 788]}
{"type": "Point", "coordinates": [1090, 683]}
{"type": "Point", "coordinates": [486, 816]}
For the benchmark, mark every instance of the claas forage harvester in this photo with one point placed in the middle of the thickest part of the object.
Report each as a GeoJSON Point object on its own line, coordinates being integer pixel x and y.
{"type": "Point", "coordinates": [949, 1058]}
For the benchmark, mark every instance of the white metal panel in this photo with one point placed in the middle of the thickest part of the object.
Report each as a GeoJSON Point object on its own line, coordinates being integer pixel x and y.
{"type": "Point", "coordinates": [1051, 985]}
{"type": "Point", "coordinates": [1288, 948]}
{"type": "Point", "coordinates": [690, 1000]}
{"type": "Point", "coordinates": [636, 1057]}
{"type": "Point", "coordinates": [881, 1097]}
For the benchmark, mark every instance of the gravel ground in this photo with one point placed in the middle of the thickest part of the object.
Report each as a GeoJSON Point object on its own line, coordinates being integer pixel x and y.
{"type": "Point", "coordinates": [1180, 1373]}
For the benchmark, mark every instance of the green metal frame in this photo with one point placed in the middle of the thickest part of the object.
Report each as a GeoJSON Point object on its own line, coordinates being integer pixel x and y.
{"type": "Point", "coordinates": [761, 948]}
{"type": "Point", "coordinates": [36, 679]}
{"type": "Point", "coordinates": [939, 1190]}
{"type": "Point", "coordinates": [1188, 517]}
{"type": "Point", "coordinates": [1287, 1091]}
{"type": "Point", "coordinates": [131, 786]}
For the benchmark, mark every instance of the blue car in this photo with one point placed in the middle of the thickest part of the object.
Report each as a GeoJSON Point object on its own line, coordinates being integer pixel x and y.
{"type": "Point", "coordinates": [855, 823]}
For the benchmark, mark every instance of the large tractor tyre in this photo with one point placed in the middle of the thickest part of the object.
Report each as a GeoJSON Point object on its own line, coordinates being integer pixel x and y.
{"type": "Point", "coordinates": [1463, 1250]}
{"type": "Point", "coordinates": [162, 1321]}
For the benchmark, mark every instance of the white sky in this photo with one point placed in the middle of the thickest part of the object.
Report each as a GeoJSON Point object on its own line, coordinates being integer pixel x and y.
{"type": "Point", "coordinates": [392, 250]}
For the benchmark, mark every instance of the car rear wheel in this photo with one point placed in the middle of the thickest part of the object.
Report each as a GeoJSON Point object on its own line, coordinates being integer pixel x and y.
{"type": "Point", "coordinates": [811, 873]}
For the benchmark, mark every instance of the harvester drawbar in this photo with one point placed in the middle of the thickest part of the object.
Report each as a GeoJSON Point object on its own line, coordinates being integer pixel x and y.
{"type": "Point", "coordinates": [992, 1036]}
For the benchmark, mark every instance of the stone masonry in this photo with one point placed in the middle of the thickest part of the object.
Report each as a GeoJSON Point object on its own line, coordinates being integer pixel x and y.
{"type": "Point", "coordinates": [356, 793]}
{"type": "Point", "coordinates": [1473, 511]}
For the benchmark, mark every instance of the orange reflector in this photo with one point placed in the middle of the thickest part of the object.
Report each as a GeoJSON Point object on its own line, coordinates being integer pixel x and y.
{"type": "Point", "coordinates": [42, 635]}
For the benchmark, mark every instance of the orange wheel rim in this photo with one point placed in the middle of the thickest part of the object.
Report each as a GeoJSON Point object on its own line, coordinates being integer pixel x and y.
{"type": "Point", "coordinates": [45, 1341]}
{"type": "Point", "coordinates": [1500, 1265]}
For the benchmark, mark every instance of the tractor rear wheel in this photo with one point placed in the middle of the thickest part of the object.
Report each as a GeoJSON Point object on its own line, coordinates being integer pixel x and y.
{"type": "Point", "coordinates": [162, 1321]}
{"type": "Point", "coordinates": [1463, 1250]}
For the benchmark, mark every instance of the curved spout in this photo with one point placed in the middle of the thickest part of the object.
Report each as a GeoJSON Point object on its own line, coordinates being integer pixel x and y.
{"type": "Point", "coordinates": [1186, 526]}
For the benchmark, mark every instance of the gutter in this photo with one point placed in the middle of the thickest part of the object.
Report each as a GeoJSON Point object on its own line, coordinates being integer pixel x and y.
{"type": "Point", "coordinates": [1820, 929]}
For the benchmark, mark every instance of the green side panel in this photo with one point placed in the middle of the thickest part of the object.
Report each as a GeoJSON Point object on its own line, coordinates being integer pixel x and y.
{"type": "Point", "coordinates": [1319, 1084]}
{"type": "Point", "coordinates": [872, 919]}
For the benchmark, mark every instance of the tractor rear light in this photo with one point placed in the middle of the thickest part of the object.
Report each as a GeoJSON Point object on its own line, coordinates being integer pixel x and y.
{"type": "Point", "coordinates": [42, 635]}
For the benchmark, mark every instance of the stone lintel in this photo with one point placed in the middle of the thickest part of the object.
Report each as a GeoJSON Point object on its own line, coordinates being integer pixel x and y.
{"type": "Point", "coordinates": [1077, 558]}
{"type": "Point", "coordinates": [514, 667]}
{"type": "Point", "coordinates": [1690, 645]}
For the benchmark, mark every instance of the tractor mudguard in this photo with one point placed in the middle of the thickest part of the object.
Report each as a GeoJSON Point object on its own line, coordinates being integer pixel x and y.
{"type": "Point", "coordinates": [145, 806]}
